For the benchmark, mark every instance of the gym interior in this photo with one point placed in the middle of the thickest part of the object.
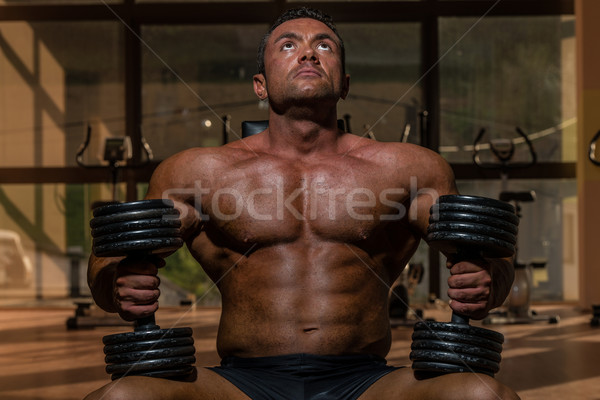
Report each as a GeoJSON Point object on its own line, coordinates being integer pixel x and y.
{"type": "Point", "coordinates": [95, 93]}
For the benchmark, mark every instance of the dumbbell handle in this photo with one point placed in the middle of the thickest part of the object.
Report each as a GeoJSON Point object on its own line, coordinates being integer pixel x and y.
{"type": "Point", "coordinates": [459, 318]}
{"type": "Point", "coordinates": [146, 323]}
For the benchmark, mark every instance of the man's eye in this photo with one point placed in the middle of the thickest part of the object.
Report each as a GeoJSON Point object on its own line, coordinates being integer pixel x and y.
{"type": "Point", "coordinates": [323, 46]}
{"type": "Point", "coordinates": [287, 46]}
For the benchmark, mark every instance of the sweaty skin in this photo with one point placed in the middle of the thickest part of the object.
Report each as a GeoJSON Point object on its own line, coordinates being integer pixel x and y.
{"type": "Point", "coordinates": [304, 229]}
{"type": "Point", "coordinates": [306, 266]}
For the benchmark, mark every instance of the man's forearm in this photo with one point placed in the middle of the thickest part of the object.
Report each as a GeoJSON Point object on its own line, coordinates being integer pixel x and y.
{"type": "Point", "coordinates": [101, 276]}
{"type": "Point", "coordinates": [503, 274]}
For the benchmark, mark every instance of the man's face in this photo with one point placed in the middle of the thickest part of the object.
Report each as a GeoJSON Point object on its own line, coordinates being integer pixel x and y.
{"type": "Point", "coordinates": [302, 63]}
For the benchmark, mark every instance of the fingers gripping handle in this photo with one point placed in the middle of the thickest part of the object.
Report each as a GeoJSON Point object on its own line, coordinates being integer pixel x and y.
{"type": "Point", "coordinates": [462, 255]}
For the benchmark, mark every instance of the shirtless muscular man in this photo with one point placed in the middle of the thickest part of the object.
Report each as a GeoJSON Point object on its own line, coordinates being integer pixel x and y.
{"type": "Point", "coordinates": [304, 228]}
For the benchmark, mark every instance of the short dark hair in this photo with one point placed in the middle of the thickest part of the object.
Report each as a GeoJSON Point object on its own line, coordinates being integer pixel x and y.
{"type": "Point", "coordinates": [296, 13]}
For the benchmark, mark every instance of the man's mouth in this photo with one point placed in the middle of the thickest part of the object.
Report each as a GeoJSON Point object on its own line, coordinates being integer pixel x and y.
{"type": "Point", "coordinates": [307, 72]}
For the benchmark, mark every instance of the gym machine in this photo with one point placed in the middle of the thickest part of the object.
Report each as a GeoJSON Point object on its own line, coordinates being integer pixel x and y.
{"type": "Point", "coordinates": [117, 152]}
{"type": "Point", "coordinates": [518, 303]}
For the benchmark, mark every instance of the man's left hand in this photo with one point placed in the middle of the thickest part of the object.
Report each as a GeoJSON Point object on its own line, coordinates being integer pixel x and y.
{"type": "Point", "coordinates": [470, 288]}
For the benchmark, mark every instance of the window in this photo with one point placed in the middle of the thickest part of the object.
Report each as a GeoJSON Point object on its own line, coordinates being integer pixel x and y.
{"type": "Point", "coordinates": [384, 66]}
{"type": "Point", "coordinates": [500, 73]}
{"type": "Point", "coordinates": [52, 86]}
{"type": "Point", "coordinates": [63, 68]}
{"type": "Point", "coordinates": [189, 88]}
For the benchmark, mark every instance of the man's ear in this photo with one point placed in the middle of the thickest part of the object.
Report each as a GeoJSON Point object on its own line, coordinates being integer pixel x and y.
{"type": "Point", "coordinates": [260, 86]}
{"type": "Point", "coordinates": [345, 86]}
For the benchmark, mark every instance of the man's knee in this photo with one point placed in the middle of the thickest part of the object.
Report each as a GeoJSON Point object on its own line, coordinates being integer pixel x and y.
{"type": "Point", "coordinates": [483, 387]}
{"type": "Point", "coordinates": [121, 389]}
{"type": "Point", "coordinates": [466, 386]}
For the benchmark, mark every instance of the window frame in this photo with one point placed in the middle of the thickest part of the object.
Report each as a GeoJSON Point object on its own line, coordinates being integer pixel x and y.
{"type": "Point", "coordinates": [133, 15]}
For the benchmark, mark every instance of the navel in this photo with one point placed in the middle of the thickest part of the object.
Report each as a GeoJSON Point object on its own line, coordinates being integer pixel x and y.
{"type": "Point", "coordinates": [310, 330]}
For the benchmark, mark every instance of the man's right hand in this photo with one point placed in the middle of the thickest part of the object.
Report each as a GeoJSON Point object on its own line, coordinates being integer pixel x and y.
{"type": "Point", "coordinates": [135, 287]}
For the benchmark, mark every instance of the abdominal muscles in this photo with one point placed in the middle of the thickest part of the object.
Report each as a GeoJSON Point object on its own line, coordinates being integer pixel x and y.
{"type": "Point", "coordinates": [328, 299]}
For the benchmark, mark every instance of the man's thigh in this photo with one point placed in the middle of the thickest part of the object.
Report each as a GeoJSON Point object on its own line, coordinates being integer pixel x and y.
{"type": "Point", "coordinates": [401, 384]}
{"type": "Point", "coordinates": [208, 386]}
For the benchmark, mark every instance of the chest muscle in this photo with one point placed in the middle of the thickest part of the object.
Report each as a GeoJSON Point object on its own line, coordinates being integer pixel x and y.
{"type": "Point", "coordinates": [280, 202]}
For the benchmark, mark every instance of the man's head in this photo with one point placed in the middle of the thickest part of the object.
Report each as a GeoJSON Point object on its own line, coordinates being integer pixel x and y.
{"type": "Point", "coordinates": [296, 13]}
{"type": "Point", "coordinates": [302, 62]}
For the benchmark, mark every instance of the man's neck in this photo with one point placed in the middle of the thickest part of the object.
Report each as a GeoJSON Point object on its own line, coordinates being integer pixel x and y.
{"type": "Point", "coordinates": [293, 137]}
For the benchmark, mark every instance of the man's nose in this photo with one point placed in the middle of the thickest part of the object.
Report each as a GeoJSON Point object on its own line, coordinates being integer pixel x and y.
{"type": "Point", "coordinates": [309, 55]}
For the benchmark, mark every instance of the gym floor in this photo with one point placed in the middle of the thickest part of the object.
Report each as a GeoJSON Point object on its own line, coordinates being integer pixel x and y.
{"type": "Point", "coordinates": [41, 359]}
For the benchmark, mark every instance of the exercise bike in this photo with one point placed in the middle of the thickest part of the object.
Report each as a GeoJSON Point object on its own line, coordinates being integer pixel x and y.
{"type": "Point", "coordinates": [518, 303]}
{"type": "Point", "coordinates": [117, 153]}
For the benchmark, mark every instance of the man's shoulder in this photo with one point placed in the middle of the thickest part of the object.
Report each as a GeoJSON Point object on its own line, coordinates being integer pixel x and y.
{"type": "Point", "coordinates": [196, 164]}
{"type": "Point", "coordinates": [402, 160]}
{"type": "Point", "coordinates": [208, 157]}
{"type": "Point", "coordinates": [394, 152]}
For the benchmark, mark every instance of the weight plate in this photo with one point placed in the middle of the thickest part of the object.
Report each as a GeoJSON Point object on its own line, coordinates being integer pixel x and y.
{"type": "Point", "coordinates": [132, 206]}
{"type": "Point", "coordinates": [469, 245]}
{"type": "Point", "coordinates": [150, 354]}
{"type": "Point", "coordinates": [152, 223]}
{"type": "Point", "coordinates": [475, 209]}
{"type": "Point", "coordinates": [454, 337]}
{"type": "Point", "coordinates": [153, 334]}
{"type": "Point", "coordinates": [477, 200]}
{"type": "Point", "coordinates": [470, 227]}
{"type": "Point", "coordinates": [432, 366]}
{"type": "Point", "coordinates": [471, 363]}
{"type": "Point", "coordinates": [142, 345]}
{"type": "Point", "coordinates": [468, 331]}
{"type": "Point", "coordinates": [149, 365]}
{"type": "Point", "coordinates": [149, 245]}
{"type": "Point", "coordinates": [474, 218]}
{"type": "Point", "coordinates": [165, 213]}
{"type": "Point", "coordinates": [456, 347]}
{"type": "Point", "coordinates": [134, 235]}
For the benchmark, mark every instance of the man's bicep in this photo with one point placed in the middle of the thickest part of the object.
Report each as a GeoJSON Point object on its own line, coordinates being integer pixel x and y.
{"type": "Point", "coordinates": [436, 180]}
{"type": "Point", "coordinates": [168, 183]}
{"type": "Point", "coordinates": [164, 181]}
{"type": "Point", "coordinates": [419, 211]}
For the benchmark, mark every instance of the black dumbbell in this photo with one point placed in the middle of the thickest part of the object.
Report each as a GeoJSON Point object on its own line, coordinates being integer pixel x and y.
{"type": "Point", "coordinates": [137, 230]}
{"type": "Point", "coordinates": [465, 228]}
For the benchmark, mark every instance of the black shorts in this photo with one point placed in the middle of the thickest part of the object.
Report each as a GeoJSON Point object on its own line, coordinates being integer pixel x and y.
{"type": "Point", "coordinates": [304, 376]}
